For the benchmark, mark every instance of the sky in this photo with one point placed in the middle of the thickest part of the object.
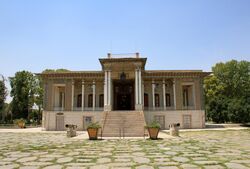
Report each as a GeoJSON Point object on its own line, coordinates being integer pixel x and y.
{"type": "Point", "coordinates": [177, 34]}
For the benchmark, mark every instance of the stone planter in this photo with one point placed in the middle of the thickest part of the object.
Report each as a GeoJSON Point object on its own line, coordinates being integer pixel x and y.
{"type": "Point", "coordinates": [174, 129]}
{"type": "Point", "coordinates": [71, 130]}
{"type": "Point", "coordinates": [93, 133]}
{"type": "Point", "coordinates": [153, 133]}
{"type": "Point", "coordinates": [21, 124]}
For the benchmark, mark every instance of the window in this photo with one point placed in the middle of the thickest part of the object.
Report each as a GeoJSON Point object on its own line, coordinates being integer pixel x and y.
{"type": "Point", "coordinates": [79, 100]}
{"type": "Point", "coordinates": [101, 100]}
{"type": "Point", "coordinates": [61, 99]}
{"type": "Point", "coordinates": [187, 121]}
{"type": "Point", "coordinates": [157, 100]}
{"type": "Point", "coordinates": [185, 97]}
{"type": "Point", "coordinates": [145, 100]}
{"type": "Point", "coordinates": [161, 120]}
{"type": "Point", "coordinates": [90, 100]}
{"type": "Point", "coordinates": [168, 102]}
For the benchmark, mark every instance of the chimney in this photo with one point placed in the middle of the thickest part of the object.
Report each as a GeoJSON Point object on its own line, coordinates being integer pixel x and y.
{"type": "Point", "coordinates": [137, 55]}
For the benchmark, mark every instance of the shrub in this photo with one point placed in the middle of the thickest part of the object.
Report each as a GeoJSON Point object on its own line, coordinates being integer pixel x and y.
{"type": "Point", "coordinates": [95, 125]}
{"type": "Point", "coordinates": [153, 124]}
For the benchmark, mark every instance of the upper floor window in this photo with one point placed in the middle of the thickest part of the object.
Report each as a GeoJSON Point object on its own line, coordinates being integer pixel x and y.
{"type": "Point", "coordinates": [145, 100]}
{"type": "Point", "coordinates": [90, 100]}
{"type": "Point", "coordinates": [101, 100]}
{"type": "Point", "coordinates": [79, 100]}
{"type": "Point", "coordinates": [168, 101]}
{"type": "Point", "coordinates": [185, 97]}
{"type": "Point", "coordinates": [157, 100]}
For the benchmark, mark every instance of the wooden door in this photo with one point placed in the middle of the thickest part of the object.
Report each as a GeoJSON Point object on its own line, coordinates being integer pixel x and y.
{"type": "Point", "coordinates": [60, 123]}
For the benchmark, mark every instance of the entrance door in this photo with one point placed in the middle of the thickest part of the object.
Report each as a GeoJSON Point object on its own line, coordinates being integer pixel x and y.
{"type": "Point", "coordinates": [123, 95]}
{"type": "Point", "coordinates": [60, 122]}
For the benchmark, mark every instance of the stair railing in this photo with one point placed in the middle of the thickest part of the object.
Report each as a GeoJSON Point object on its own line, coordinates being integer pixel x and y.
{"type": "Point", "coordinates": [104, 122]}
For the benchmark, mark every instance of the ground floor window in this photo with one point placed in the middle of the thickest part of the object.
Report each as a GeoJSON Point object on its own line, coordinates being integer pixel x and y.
{"type": "Point", "coordinates": [86, 121]}
{"type": "Point", "coordinates": [161, 120]}
{"type": "Point", "coordinates": [186, 121]}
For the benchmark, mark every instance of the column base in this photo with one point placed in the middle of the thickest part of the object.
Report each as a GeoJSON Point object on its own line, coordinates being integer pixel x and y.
{"type": "Point", "coordinates": [139, 107]}
{"type": "Point", "coordinates": [107, 107]}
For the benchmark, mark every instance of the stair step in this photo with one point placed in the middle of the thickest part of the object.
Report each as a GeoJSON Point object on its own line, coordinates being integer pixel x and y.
{"type": "Point", "coordinates": [130, 122]}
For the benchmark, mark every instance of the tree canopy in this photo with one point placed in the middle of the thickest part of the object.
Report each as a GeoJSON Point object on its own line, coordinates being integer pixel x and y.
{"type": "Point", "coordinates": [26, 91]}
{"type": "Point", "coordinates": [55, 70]}
{"type": "Point", "coordinates": [227, 92]}
{"type": "Point", "coordinates": [3, 93]}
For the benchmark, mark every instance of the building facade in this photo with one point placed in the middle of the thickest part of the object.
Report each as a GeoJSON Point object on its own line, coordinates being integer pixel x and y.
{"type": "Point", "coordinates": [123, 96]}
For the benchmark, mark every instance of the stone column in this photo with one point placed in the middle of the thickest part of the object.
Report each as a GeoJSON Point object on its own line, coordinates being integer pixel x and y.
{"type": "Point", "coordinates": [153, 94]}
{"type": "Point", "coordinates": [164, 94]}
{"type": "Point", "coordinates": [136, 87]}
{"type": "Point", "coordinates": [174, 93]}
{"type": "Point", "coordinates": [194, 96]}
{"type": "Point", "coordinates": [63, 100]}
{"type": "Point", "coordinates": [109, 88]}
{"type": "Point", "coordinates": [105, 88]}
{"type": "Point", "coordinates": [142, 93]}
{"type": "Point", "coordinates": [83, 95]}
{"type": "Point", "coordinates": [93, 94]}
{"type": "Point", "coordinates": [107, 91]}
{"type": "Point", "coordinates": [139, 87]}
{"type": "Point", "coordinates": [72, 96]}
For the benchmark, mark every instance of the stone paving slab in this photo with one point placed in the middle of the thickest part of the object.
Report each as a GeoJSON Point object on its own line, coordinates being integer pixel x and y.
{"type": "Point", "coordinates": [192, 150]}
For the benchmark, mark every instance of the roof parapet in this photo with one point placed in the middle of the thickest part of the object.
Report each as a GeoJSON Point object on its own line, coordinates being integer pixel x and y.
{"type": "Point", "coordinates": [123, 55]}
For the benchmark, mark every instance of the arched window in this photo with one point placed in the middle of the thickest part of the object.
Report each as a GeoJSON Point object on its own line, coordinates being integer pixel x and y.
{"type": "Point", "coordinates": [90, 100]}
{"type": "Point", "coordinates": [101, 100]}
{"type": "Point", "coordinates": [157, 100]}
{"type": "Point", "coordinates": [79, 100]}
{"type": "Point", "coordinates": [145, 100]}
{"type": "Point", "coordinates": [168, 102]}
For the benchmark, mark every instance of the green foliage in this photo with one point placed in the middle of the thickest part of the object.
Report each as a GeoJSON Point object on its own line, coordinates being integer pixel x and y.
{"type": "Point", "coordinates": [3, 94]}
{"type": "Point", "coordinates": [21, 120]}
{"type": "Point", "coordinates": [227, 92]}
{"type": "Point", "coordinates": [26, 90]}
{"type": "Point", "coordinates": [154, 124]}
{"type": "Point", "coordinates": [55, 70]}
{"type": "Point", "coordinates": [95, 125]}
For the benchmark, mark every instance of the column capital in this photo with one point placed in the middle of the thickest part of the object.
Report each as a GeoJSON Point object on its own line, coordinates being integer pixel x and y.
{"type": "Point", "coordinates": [82, 82]}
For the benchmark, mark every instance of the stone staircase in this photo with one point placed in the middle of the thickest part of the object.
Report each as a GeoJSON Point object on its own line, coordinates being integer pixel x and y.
{"type": "Point", "coordinates": [123, 124]}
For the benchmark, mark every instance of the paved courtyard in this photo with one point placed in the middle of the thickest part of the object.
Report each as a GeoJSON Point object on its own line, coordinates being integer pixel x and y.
{"type": "Point", "coordinates": [199, 149]}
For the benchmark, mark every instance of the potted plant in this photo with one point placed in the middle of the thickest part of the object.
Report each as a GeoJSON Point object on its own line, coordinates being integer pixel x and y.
{"type": "Point", "coordinates": [93, 130]}
{"type": "Point", "coordinates": [20, 122]}
{"type": "Point", "coordinates": [153, 129]}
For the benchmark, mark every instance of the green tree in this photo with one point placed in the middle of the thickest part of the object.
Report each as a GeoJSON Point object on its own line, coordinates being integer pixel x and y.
{"type": "Point", "coordinates": [3, 94]}
{"type": "Point", "coordinates": [227, 92]}
{"type": "Point", "coordinates": [25, 91]}
{"type": "Point", "coordinates": [55, 70]}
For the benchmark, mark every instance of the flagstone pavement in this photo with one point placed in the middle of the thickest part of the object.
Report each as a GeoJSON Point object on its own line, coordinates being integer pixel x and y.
{"type": "Point", "coordinates": [192, 150]}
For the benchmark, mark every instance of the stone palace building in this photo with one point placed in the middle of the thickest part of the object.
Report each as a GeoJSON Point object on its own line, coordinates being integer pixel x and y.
{"type": "Point", "coordinates": [123, 97]}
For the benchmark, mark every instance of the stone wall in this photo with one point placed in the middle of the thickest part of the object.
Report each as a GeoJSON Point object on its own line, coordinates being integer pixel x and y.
{"type": "Point", "coordinates": [70, 117]}
{"type": "Point", "coordinates": [197, 117]}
